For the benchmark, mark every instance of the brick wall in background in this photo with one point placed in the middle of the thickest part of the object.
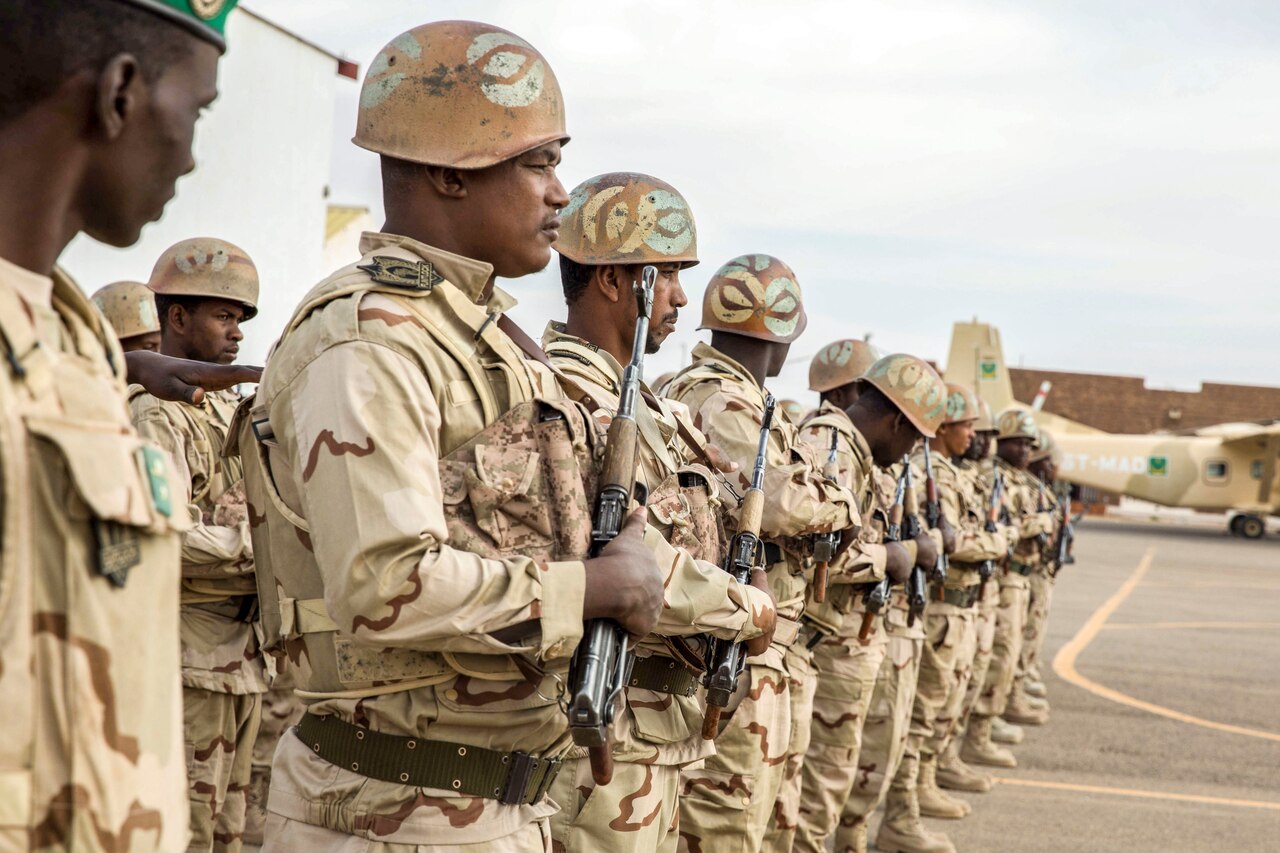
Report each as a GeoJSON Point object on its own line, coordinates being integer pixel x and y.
{"type": "Point", "coordinates": [1124, 403]}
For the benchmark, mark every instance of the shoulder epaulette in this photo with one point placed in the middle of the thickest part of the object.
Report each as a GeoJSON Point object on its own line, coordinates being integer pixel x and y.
{"type": "Point", "coordinates": [398, 272]}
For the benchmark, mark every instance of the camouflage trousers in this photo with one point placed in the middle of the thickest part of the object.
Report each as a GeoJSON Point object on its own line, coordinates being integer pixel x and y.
{"type": "Point", "coordinates": [725, 805]}
{"type": "Point", "coordinates": [985, 636]}
{"type": "Point", "coordinates": [1042, 584]}
{"type": "Point", "coordinates": [884, 735]}
{"type": "Point", "coordinates": [946, 666]}
{"type": "Point", "coordinates": [637, 811]}
{"type": "Point", "coordinates": [802, 682]}
{"type": "Point", "coordinates": [1006, 648]}
{"type": "Point", "coordinates": [294, 836]}
{"type": "Point", "coordinates": [281, 710]}
{"type": "Point", "coordinates": [847, 671]}
{"type": "Point", "coordinates": [219, 730]}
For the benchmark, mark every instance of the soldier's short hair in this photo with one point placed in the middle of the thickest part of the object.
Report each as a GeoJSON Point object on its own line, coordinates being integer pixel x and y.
{"type": "Point", "coordinates": [574, 278]}
{"type": "Point", "coordinates": [44, 42]}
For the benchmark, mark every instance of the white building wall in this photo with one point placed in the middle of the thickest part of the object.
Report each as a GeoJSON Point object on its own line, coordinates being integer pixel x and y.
{"type": "Point", "coordinates": [263, 157]}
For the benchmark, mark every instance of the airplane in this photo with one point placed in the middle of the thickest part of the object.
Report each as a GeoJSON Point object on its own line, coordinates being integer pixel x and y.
{"type": "Point", "coordinates": [1224, 468]}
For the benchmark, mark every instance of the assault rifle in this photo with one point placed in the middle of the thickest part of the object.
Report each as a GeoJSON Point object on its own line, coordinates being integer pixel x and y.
{"type": "Point", "coordinates": [878, 596]}
{"type": "Point", "coordinates": [916, 585]}
{"type": "Point", "coordinates": [1066, 537]}
{"type": "Point", "coordinates": [826, 544]}
{"type": "Point", "coordinates": [726, 659]}
{"type": "Point", "coordinates": [994, 509]}
{"type": "Point", "coordinates": [602, 662]}
{"type": "Point", "coordinates": [1042, 538]}
{"type": "Point", "coordinates": [933, 517]}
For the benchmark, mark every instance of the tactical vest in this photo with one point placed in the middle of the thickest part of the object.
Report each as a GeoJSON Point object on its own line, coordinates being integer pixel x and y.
{"type": "Point", "coordinates": [524, 485]}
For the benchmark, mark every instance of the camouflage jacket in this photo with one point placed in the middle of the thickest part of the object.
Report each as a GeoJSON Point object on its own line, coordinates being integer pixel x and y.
{"type": "Point", "coordinates": [1023, 501]}
{"type": "Point", "coordinates": [960, 506]}
{"type": "Point", "coordinates": [389, 365]}
{"type": "Point", "coordinates": [699, 597]}
{"type": "Point", "coordinates": [92, 754]}
{"type": "Point", "coordinates": [728, 406]}
{"type": "Point", "coordinates": [219, 647]}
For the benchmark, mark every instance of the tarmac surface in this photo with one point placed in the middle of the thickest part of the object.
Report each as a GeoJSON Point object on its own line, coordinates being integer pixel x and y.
{"type": "Point", "coordinates": [1165, 691]}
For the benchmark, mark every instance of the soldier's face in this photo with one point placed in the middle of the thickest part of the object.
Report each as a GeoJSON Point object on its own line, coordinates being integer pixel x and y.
{"type": "Point", "coordinates": [957, 437]}
{"type": "Point", "coordinates": [144, 143]}
{"type": "Point", "coordinates": [979, 447]}
{"type": "Point", "coordinates": [1015, 451]}
{"type": "Point", "coordinates": [513, 211]}
{"type": "Point", "coordinates": [668, 298]}
{"type": "Point", "coordinates": [149, 341]}
{"type": "Point", "coordinates": [208, 331]}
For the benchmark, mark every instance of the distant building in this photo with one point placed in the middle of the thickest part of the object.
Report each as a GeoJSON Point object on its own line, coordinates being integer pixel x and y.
{"type": "Point", "coordinates": [343, 226]}
{"type": "Point", "coordinates": [1124, 404]}
{"type": "Point", "coordinates": [263, 156]}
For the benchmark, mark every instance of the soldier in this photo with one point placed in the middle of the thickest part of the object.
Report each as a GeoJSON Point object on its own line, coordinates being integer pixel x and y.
{"type": "Point", "coordinates": [1030, 692]}
{"type": "Point", "coordinates": [754, 311]}
{"type": "Point", "coordinates": [1017, 431]}
{"type": "Point", "coordinates": [130, 307]}
{"type": "Point", "coordinates": [419, 484]}
{"type": "Point", "coordinates": [950, 621]}
{"type": "Point", "coordinates": [611, 232]}
{"type": "Point", "coordinates": [204, 288]}
{"type": "Point", "coordinates": [874, 423]}
{"type": "Point", "coordinates": [98, 102]}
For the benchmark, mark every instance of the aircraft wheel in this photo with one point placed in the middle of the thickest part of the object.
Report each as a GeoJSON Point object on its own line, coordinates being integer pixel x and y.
{"type": "Point", "coordinates": [1252, 527]}
{"type": "Point", "coordinates": [1234, 524]}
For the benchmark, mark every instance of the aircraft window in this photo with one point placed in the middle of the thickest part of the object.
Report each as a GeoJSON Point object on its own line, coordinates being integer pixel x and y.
{"type": "Point", "coordinates": [1216, 471]}
{"type": "Point", "coordinates": [1255, 470]}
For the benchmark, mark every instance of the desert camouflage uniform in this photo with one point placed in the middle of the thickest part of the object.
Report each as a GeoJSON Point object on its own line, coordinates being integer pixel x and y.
{"type": "Point", "coordinates": [1041, 598]}
{"type": "Point", "coordinates": [380, 374]}
{"type": "Point", "coordinates": [846, 666]}
{"type": "Point", "coordinates": [1011, 612]}
{"type": "Point", "coordinates": [91, 759]}
{"type": "Point", "coordinates": [223, 672]}
{"type": "Point", "coordinates": [728, 804]}
{"type": "Point", "coordinates": [658, 731]}
{"type": "Point", "coordinates": [888, 720]}
{"type": "Point", "coordinates": [980, 479]}
{"type": "Point", "coordinates": [281, 711]}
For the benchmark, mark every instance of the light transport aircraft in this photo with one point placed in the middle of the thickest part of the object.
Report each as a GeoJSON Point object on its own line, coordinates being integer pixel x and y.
{"type": "Point", "coordinates": [1225, 468]}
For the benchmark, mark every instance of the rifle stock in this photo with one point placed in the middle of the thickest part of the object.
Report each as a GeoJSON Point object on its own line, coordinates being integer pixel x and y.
{"type": "Point", "coordinates": [725, 659]}
{"type": "Point", "coordinates": [603, 660]}
{"type": "Point", "coordinates": [916, 597]}
{"type": "Point", "coordinates": [825, 545]}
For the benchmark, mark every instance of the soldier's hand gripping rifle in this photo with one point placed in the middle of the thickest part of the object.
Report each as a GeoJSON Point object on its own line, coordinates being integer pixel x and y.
{"type": "Point", "coordinates": [878, 596]}
{"type": "Point", "coordinates": [602, 663]}
{"type": "Point", "coordinates": [933, 516]}
{"type": "Point", "coordinates": [916, 592]}
{"type": "Point", "coordinates": [825, 545]}
{"type": "Point", "coordinates": [726, 659]}
{"type": "Point", "coordinates": [988, 566]}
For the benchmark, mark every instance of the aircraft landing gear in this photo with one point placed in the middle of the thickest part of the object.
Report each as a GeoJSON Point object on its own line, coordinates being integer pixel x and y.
{"type": "Point", "coordinates": [1248, 526]}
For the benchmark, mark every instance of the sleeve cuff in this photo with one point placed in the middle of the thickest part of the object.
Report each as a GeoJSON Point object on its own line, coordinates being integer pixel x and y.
{"type": "Point", "coordinates": [564, 587]}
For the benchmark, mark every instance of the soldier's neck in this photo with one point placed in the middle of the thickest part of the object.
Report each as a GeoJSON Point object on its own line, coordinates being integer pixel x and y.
{"type": "Point", "coordinates": [39, 189]}
{"type": "Point", "coordinates": [750, 353]}
{"type": "Point", "coordinates": [599, 331]}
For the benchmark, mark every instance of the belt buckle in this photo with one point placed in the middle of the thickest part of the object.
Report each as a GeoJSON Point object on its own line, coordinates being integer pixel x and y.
{"type": "Point", "coordinates": [519, 773]}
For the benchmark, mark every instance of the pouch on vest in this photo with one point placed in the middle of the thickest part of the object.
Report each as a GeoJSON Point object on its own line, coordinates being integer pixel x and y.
{"type": "Point", "coordinates": [687, 509]}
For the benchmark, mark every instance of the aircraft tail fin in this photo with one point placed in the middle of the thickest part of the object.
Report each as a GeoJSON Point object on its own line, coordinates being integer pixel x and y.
{"type": "Point", "coordinates": [977, 360]}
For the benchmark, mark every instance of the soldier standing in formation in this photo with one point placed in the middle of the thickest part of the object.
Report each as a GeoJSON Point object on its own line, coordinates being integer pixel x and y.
{"type": "Point", "coordinates": [130, 308]}
{"type": "Point", "coordinates": [1030, 686]}
{"type": "Point", "coordinates": [417, 481]}
{"type": "Point", "coordinates": [609, 234]}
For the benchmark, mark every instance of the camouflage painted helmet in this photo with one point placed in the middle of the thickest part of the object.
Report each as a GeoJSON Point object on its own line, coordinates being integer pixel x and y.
{"type": "Point", "coordinates": [627, 218]}
{"type": "Point", "coordinates": [914, 387]}
{"type": "Point", "coordinates": [130, 307]}
{"type": "Point", "coordinates": [461, 94]}
{"type": "Point", "coordinates": [962, 404]}
{"type": "Point", "coordinates": [1044, 446]}
{"type": "Point", "coordinates": [794, 409]}
{"type": "Point", "coordinates": [756, 296]}
{"type": "Point", "coordinates": [207, 267]}
{"type": "Point", "coordinates": [1016, 423]}
{"type": "Point", "coordinates": [840, 363]}
{"type": "Point", "coordinates": [986, 421]}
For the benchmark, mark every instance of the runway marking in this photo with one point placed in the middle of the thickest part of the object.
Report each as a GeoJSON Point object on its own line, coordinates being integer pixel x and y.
{"type": "Point", "coordinates": [1134, 792]}
{"type": "Point", "coordinates": [1064, 662]}
{"type": "Point", "coordinates": [1237, 584]}
{"type": "Point", "coordinates": [1181, 626]}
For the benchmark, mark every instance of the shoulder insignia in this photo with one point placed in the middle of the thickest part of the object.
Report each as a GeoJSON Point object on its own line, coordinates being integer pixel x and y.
{"type": "Point", "coordinates": [398, 272]}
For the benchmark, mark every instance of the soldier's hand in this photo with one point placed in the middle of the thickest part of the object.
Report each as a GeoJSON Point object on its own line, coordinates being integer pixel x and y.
{"type": "Point", "coordinates": [720, 459]}
{"type": "Point", "coordinates": [926, 551]}
{"type": "Point", "coordinates": [759, 645]}
{"type": "Point", "coordinates": [948, 535]}
{"type": "Point", "coordinates": [897, 564]}
{"type": "Point", "coordinates": [184, 381]}
{"type": "Point", "coordinates": [624, 583]}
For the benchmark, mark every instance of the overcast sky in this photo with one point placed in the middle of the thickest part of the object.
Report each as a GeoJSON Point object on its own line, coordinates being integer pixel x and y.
{"type": "Point", "coordinates": [1099, 178]}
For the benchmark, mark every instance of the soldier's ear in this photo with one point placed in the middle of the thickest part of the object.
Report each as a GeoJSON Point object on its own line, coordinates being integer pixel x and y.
{"type": "Point", "coordinates": [117, 94]}
{"type": "Point", "coordinates": [446, 181]}
{"type": "Point", "coordinates": [609, 281]}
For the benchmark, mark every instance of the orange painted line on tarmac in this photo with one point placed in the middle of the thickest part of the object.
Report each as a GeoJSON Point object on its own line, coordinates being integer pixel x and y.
{"type": "Point", "coordinates": [1064, 662]}
{"type": "Point", "coordinates": [1134, 792]}
{"type": "Point", "coordinates": [1180, 626]}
